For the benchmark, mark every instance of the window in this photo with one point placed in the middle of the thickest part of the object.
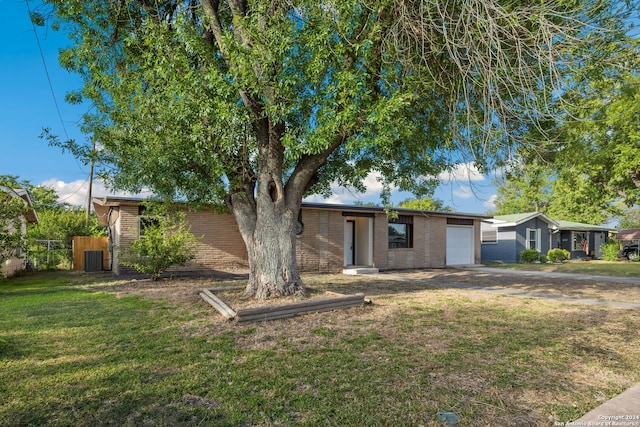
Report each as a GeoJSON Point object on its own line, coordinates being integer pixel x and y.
{"type": "Point", "coordinates": [580, 241]}
{"type": "Point", "coordinates": [147, 221]}
{"type": "Point", "coordinates": [489, 236]}
{"type": "Point", "coordinates": [401, 232]}
{"type": "Point", "coordinates": [533, 239]}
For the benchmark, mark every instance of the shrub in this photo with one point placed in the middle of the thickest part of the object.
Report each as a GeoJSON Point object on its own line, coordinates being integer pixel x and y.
{"type": "Point", "coordinates": [558, 255]}
{"type": "Point", "coordinates": [529, 256]}
{"type": "Point", "coordinates": [166, 242]}
{"type": "Point", "coordinates": [610, 250]}
{"type": "Point", "coordinates": [544, 259]}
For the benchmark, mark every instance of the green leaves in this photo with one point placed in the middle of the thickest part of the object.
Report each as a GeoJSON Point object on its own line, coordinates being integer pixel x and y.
{"type": "Point", "coordinates": [195, 100]}
{"type": "Point", "coordinates": [165, 241]}
{"type": "Point", "coordinates": [12, 209]}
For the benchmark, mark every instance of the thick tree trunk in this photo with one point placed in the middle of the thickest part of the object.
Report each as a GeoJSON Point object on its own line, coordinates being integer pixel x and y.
{"type": "Point", "coordinates": [272, 261]}
{"type": "Point", "coordinates": [269, 235]}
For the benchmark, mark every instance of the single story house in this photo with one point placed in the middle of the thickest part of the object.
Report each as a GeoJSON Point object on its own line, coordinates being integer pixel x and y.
{"type": "Point", "coordinates": [503, 237]}
{"type": "Point", "coordinates": [14, 264]}
{"type": "Point", "coordinates": [331, 237]}
{"type": "Point", "coordinates": [630, 242]}
{"type": "Point", "coordinates": [582, 240]}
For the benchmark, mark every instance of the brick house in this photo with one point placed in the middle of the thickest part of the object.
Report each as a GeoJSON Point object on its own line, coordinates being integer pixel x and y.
{"type": "Point", "coordinates": [331, 237]}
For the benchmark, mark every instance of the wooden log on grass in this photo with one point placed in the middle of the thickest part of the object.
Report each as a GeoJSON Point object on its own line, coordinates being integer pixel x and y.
{"type": "Point", "coordinates": [218, 304]}
{"type": "Point", "coordinates": [281, 311]}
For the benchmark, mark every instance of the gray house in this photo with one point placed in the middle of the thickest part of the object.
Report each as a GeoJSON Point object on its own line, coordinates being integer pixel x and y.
{"type": "Point", "coordinates": [503, 237]}
{"type": "Point", "coordinates": [582, 240]}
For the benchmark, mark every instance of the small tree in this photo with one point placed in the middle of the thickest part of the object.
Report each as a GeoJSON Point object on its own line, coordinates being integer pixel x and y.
{"type": "Point", "coordinates": [167, 241]}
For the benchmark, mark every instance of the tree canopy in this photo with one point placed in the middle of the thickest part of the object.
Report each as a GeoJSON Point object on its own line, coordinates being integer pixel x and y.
{"type": "Point", "coordinates": [259, 103]}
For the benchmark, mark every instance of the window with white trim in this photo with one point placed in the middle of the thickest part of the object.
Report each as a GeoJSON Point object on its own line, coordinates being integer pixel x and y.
{"type": "Point", "coordinates": [533, 239]}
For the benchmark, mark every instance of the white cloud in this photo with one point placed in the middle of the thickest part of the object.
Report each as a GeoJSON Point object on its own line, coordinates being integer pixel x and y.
{"type": "Point", "coordinates": [462, 172]}
{"type": "Point", "coordinates": [75, 192]}
{"type": "Point", "coordinates": [490, 203]}
{"type": "Point", "coordinates": [347, 196]}
{"type": "Point", "coordinates": [463, 192]}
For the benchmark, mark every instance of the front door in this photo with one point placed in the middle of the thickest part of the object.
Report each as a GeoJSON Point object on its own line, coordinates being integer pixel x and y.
{"type": "Point", "coordinates": [349, 242]}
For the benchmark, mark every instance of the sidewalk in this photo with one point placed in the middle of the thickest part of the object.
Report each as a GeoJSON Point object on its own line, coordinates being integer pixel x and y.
{"type": "Point", "coordinates": [622, 410]}
{"type": "Point", "coordinates": [615, 279]}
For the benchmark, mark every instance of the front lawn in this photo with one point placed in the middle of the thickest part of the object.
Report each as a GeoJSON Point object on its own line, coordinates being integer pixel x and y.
{"type": "Point", "coordinates": [598, 268]}
{"type": "Point", "coordinates": [84, 350]}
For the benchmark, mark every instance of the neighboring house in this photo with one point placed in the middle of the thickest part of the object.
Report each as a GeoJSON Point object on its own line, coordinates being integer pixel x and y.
{"type": "Point", "coordinates": [630, 239]}
{"type": "Point", "coordinates": [505, 236]}
{"type": "Point", "coordinates": [582, 240]}
{"type": "Point", "coordinates": [12, 265]}
{"type": "Point", "coordinates": [332, 237]}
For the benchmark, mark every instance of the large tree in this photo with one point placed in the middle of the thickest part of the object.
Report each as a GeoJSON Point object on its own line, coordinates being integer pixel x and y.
{"type": "Point", "coordinates": [533, 185]}
{"type": "Point", "coordinates": [258, 103]}
{"type": "Point", "coordinates": [601, 130]}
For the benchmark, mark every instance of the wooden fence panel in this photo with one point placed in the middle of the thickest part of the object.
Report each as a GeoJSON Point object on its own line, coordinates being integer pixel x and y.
{"type": "Point", "coordinates": [89, 243]}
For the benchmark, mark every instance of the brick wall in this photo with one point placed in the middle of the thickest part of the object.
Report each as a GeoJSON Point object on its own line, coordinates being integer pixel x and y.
{"type": "Point", "coordinates": [221, 245]}
{"type": "Point", "coordinates": [436, 249]}
{"type": "Point", "coordinates": [428, 251]}
{"type": "Point", "coordinates": [319, 247]}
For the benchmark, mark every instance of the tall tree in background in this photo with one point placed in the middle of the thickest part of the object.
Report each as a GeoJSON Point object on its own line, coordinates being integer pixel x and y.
{"type": "Point", "coordinates": [575, 198]}
{"type": "Point", "coordinates": [524, 187]}
{"type": "Point", "coordinates": [561, 193]}
{"type": "Point", "coordinates": [259, 103]}
{"type": "Point", "coordinates": [425, 204]}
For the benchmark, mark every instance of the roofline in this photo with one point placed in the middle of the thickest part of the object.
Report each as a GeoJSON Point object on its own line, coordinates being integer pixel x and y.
{"type": "Point", "coordinates": [31, 215]}
{"type": "Point", "coordinates": [496, 223]}
{"type": "Point", "coordinates": [377, 209]}
{"type": "Point", "coordinates": [108, 201]}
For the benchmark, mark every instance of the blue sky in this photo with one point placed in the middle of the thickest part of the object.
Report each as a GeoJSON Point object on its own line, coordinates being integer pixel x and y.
{"type": "Point", "coordinates": [28, 105]}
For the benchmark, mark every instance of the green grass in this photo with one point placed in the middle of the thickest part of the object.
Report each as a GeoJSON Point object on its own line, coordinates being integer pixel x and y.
{"type": "Point", "coordinates": [598, 268]}
{"type": "Point", "coordinates": [70, 356]}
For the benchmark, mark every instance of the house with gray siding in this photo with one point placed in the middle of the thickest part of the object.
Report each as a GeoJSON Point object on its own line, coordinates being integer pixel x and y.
{"type": "Point", "coordinates": [504, 237]}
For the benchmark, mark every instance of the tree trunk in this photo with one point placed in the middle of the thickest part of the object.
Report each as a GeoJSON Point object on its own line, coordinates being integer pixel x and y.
{"type": "Point", "coordinates": [269, 235]}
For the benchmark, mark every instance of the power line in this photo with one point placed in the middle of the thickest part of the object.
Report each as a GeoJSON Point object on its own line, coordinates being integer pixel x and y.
{"type": "Point", "coordinates": [46, 71]}
{"type": "Point", "coordinates": [53, 94]}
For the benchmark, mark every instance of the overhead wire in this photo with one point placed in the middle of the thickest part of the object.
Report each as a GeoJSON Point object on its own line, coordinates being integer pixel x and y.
{"type": "Point", "coordinates": [53, 95]}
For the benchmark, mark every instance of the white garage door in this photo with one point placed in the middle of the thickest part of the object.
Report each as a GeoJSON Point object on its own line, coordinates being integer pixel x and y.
{"type": "Point", "coordinates": [459, 245]}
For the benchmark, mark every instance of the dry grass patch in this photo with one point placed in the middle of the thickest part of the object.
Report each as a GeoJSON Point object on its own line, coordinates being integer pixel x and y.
{"type": "Point", "coordinates": [577, 288]}
{"type": "Point", "coordinates": [494, 360]}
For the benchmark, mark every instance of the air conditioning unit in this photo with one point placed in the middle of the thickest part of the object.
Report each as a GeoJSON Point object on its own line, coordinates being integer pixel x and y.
{"type": "Point", "coordinates": [92, 261]}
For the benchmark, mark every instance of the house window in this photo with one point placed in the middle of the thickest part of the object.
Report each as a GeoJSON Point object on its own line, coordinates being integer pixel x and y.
{"type": "Point", "coordinates": [533, 239]}
{"type": "Point", "coordinates": [144, 222]}
{"type": "Point", "coordinates": [489, 236]}
{"type": "Point", "coordinates": [401, 232]}
{"type": "Point", "coordinates": [580, 241]}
